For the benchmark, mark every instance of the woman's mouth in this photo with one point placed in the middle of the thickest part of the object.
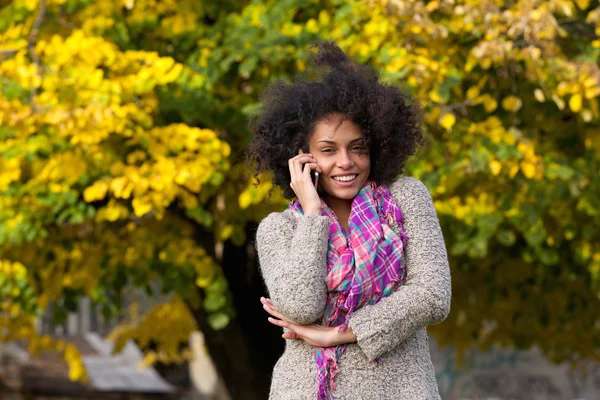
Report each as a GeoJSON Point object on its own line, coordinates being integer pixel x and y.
{"type": "Point", "coordinates": [345, 180]}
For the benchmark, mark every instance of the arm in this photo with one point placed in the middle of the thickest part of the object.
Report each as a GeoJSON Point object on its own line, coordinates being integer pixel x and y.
{"type": "Point", "coordinates": [293, 263]}
{"type": "Point", "coordinates": [424, 298]}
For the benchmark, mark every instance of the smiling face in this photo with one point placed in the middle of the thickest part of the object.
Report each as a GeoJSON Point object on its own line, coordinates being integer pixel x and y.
{"type": "Point", "coordinates": [341, 151]}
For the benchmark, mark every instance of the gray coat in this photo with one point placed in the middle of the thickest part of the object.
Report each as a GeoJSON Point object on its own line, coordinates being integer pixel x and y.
{"type": "Point", "coordinates": [292, 258]}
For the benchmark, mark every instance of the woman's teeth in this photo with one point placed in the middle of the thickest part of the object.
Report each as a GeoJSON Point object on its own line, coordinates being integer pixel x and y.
{"type": "Point", "coordinates": [347, 178]}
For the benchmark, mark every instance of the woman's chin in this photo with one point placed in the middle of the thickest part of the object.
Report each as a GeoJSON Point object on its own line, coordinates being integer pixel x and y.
{"type": "Point", "coordinates": [345, 190]}
{"type": "Point", "coordinates": [343, 193]}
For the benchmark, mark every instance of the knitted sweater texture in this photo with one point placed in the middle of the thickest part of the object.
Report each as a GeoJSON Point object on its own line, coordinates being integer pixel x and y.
{"type": "Point", "coordinates": [292, 256]}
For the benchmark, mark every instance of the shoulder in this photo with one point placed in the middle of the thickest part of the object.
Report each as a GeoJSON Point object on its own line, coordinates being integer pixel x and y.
{"type": "Point", "coordinates": [412, 196]}
{"type": "Point", "coordinates": [275, 224]}
{"type": "Point", "coordinates": [407, 187]}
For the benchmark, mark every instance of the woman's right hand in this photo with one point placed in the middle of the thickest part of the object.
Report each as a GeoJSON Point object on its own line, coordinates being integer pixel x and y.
{"type": "Point", "coordinates": [302, 185]}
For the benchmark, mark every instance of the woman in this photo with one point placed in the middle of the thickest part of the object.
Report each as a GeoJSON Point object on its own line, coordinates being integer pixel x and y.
{"type": "Point", "coordinates": [356, 267]}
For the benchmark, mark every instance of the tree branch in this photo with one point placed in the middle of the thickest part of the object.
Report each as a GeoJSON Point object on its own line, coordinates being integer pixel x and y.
{"type": "Point", "coordinates": [31, 47]}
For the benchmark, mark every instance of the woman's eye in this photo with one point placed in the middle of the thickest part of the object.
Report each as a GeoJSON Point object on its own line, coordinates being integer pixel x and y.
{"type": "Point", "coordinates": [358, 148]}
{"type": "Point", "coordinates": [327, 150]}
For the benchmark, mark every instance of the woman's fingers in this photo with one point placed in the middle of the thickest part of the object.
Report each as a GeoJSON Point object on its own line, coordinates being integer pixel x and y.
{"type": "Point", "coordinates": [275, 313]}
{"type": "Point", "coordinates": [279, 322]}
{"type": "Point", "coordinates": [265, 300]}
{"type": "Point", "coordinates": [271, 309]}
{"type": "Point", "coordinates": [307, 169]}
{"type": "Point", "coordinates": [296, 165]}
{"type": "Point", "coordinates": [291, 335]}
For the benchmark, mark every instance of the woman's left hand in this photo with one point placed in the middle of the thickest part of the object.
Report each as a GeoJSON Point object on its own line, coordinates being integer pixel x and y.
{"type": "Point", "coordinates": [313, 334]}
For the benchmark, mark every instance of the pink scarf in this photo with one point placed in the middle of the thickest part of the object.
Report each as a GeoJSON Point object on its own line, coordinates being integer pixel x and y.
{"type": "Point", "coordinates": [364, 265]}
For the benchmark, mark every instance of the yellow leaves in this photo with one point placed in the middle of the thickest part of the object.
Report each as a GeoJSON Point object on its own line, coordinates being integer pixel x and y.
{"type": "Point", "coordinates": [560, 103]}
{"type": "Point", "coordinates": [255, 194]}
{"type": "Point", "coordinates": [539, 95]}
{"type": "Point", "coordinates": [61, 53]}
{"type": "Point", "coordinates": [324, 18]}
{"type": "Point", "coordinates": [112, 212]}
{"type": "Point", "coordinates": [225, 232]}
{"type": "Point", "coordinates": [12, 39]}
{"type": "Point", "coordinates": [31, 5]}
{"type": "Point", "coordinates": [448, 121]}
{"type": "Point", "coordinates": [489, 103]}
{"type": "Point", "coordinates": [575, 102]}
{"type": "Point", "coordinates": [512, 103]}
{"type": "Point", "coordinates": [528, 169]}
{"type": "Point", "coordinates": [95, 192]}
{"type": "Point", "coordinates": [171, 74]}
{"type": "Point", "coordinates": [434, 95]}
{"type": "Point", "coordinates": [363, 49]}
{"type": "Point", "coordinates": [311, 26]}
{"type": "Point", "coordinates": [69, 352]}
{"type": "Point", "coordinates": [98, 24]}
{"type": "Point", "coordinates": [204, 280]}
{"type": "Point", "coordinates": [10, 171]}
{"type": "Point", "coordinates": [166, 326]}
{"type": "Point", "coordinates": [121, 187]}
{"type": "Point", "coordinates": [395, 65]}
{"type": "Point", "coordinates": [225, 149]}
{"type": "Point", "coordinates": [245, 199]}
{"type": "Point", "coordinates": [141, 206]}
{"type": "Point", "coordinates": [255, 12]}
{"type": "Point", "coordinates": [73, 358]}
{"type": "Point", "coordinates": [495, 167]}
{"type": "Point", "coordinates": [18, 299]}
{"type": "Point", "coordinates": [526, 149]}
{"type": "Point", "coordinates": [582, 4]}
{"type": "Point", "coordinates": [290, 29]}
{"type": "Point", "coordinates": [563, 88]}
{"type": "Point", "coordinates": [586, 86]}
{"type": "Point", "coordinates": [468, 209]}
{"type": "Point", "coordinates": [179, 159]}
{"type": "Point", "coordinates": [530, 165]}
{"type": "Point", "coordinates": [67, 167]}
{"type": "Point", "coordinates": [179, 23]}
{"type": "Point", "coordinates": [473, 93]}
{"type": "Point", "coordinates": [433, 5]}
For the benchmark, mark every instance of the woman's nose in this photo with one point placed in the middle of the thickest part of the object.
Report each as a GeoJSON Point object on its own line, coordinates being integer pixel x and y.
{"type": "Point", "coordinates": [344, 161]}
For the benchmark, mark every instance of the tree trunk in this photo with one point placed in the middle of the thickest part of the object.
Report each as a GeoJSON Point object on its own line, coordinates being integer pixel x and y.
{"type": "Point", "coordinates": [245, 351]}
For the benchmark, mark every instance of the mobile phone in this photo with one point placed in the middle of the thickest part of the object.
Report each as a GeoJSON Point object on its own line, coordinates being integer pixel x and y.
{"type": "Point", "coordinates": [315, 178]}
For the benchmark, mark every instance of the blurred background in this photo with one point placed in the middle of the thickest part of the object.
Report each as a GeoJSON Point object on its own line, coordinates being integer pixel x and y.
{"type": "Point", "coordinates": [128, 216]}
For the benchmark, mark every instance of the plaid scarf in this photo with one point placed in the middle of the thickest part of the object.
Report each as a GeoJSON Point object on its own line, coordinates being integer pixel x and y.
{"type": "Point", "coordinates": [364, 264]}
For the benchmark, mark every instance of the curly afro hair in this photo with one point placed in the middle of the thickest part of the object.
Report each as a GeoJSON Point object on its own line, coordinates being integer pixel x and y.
{"type": "Point", "coordinates": [389, 118]}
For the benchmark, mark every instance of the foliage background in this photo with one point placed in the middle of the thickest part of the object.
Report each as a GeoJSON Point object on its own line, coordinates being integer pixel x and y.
{"type": "Point", "coordinates": [123, 125]}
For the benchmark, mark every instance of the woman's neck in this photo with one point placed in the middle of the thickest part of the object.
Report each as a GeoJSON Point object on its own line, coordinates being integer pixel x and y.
{"type": "Point", "coordinates": [341, 208]}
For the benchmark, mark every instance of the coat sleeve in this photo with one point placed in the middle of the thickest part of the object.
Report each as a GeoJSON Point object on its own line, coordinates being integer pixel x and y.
{"type": "Point", "coordinates": [292, 258]}
{"type": "Point", "coordinates": [424, 298]}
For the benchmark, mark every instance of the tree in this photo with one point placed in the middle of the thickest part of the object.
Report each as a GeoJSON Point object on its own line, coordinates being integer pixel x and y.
{"type": "Point", "coordinates": [121, 120]}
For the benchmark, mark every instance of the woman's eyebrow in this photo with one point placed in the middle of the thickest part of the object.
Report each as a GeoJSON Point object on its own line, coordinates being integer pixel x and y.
{"type": "Point", "coordinates": [332, 142]}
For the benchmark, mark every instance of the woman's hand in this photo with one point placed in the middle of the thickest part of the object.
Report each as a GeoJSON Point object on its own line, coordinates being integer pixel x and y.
{"type": "Point", "coordinates": [302, 185]}
{"type": "Point", "coordinates": [313, 334]}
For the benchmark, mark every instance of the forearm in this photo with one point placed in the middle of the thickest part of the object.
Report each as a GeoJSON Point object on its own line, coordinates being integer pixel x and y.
{"type": "Point", "coordinates": [383, 326]}
{"type": "Point", "coordinates": [344, 337]}
{"type": "Point", "coordinates": [293, 264]}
